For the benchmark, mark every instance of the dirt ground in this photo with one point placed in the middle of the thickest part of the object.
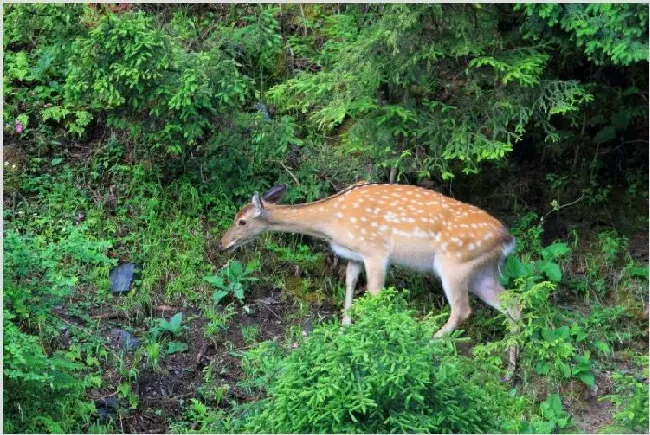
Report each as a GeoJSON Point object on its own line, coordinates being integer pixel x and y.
{"type": "Point", "coordinates": [162, 394]}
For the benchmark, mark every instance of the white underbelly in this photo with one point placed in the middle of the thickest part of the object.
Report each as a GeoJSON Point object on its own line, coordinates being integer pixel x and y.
{"type": "Point", "coordinates": [346, 253]}
{"type": "Point", "coordinates": [419, 260]}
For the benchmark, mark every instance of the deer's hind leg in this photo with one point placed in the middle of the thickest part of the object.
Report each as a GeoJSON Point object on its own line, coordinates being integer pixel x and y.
{"type": "Point", "coordinates": [486, 286]}
{"type": "Point", "coordinates": [455, 283]}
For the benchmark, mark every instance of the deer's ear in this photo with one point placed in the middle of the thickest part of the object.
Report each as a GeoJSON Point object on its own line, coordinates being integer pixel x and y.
{"type": "Point", "coordinates": [257, 204]}
{"type": "Point", "coordinates": [275, 193]}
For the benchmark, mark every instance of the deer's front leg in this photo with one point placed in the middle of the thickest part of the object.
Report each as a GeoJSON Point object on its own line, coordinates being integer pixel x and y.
{"type": "Point", "coordinates": [375, 273]}
{"type": "Point", "coordinates": [351, 277]}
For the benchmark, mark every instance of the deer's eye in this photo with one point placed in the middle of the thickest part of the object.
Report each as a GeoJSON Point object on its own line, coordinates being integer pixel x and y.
{"type": "Point", "coordinates": [242, 222]}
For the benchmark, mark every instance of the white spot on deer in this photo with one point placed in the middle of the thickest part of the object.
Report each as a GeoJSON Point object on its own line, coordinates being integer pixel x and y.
{"type": "Point", "coordinates": [471, 247]}
{"type": "Point", "coordinates": [443, 245]}
{"type": "Point", "coordinates": [363, 231]}
{"type": "Point", "coordinates": [355, 205]}
{"type": "Point", "coordinates": [373, 224]}
{"type": "Point", "coordinates": [363, 219]}
{"type": "Point", "coordinates": [338, 215]}
{"type": "Point", "coordinates": [368, 210]}
{"type": "Point", "coordinates": [353, 219]}
{"type": "Point", "coordinates": [478, 243]}
{"type": "Point", "coordinates": [464, 226]}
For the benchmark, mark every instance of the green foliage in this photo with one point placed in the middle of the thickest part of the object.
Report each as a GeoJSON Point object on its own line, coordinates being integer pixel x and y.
{"type": "Point", "coordinates": [44, 386]}
{"type": "Point", "coordinates": [36, 42]}
{"type": "Point", "coordinates": [134, 133]}
{"type": "Point", "coordinates": [149, 85]}
{"type": "Point", "coordinates": [555, 418]}
{"type": "Point", "coordinates": [378, 376]}
{"type": "Point", "coordinates": [425, 105]}
{"type": "Point", "coordinates": [173, 326]}
{"type": "Point", "coordinates": [631, 402]}
{"type": "Point", "coordinates": [531, 273]}
{"type": "Point", "coordinates": [232, 279]}
{"type": "Point", "coordinates": [607, 33]}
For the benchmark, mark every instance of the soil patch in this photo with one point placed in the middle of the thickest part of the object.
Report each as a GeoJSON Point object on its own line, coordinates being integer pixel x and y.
{"type": "Point", "coordinates": [163, 393]}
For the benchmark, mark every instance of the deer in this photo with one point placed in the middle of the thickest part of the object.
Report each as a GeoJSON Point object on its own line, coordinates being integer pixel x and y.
{"type": "Point", "coordinates": [375, 225]}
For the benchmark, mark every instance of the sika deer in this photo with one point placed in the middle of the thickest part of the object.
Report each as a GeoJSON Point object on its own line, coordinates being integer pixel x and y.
{"type": "Point", "coordinates": [375, 225]}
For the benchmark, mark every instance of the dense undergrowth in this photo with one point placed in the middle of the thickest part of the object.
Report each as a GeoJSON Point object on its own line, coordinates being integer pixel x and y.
{"type": "Point", "coordinates": [133, 133]}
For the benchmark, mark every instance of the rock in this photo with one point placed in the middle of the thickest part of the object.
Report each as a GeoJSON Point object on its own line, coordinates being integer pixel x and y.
{"type": "Point", "coordinates": [263, 110]}
{"type": "Point", "coordinates": [122, 278]}
{"type": "Point", "coordinates": [107, 407]}
{"type": "Point", "coordinates": [125, 340]}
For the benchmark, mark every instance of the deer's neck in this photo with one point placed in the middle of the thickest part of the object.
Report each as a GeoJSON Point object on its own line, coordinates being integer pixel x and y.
{"type": "Point", "coordinates": [304, 219]}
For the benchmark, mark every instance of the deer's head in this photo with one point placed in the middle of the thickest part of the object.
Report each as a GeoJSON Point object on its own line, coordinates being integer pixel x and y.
{"type": "Point", "coordinates": [251, 220]}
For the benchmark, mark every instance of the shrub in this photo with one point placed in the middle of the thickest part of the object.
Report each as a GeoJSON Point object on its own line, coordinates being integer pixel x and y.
{"type": "Point", "coordinates": [382, 374]}
{"type": "Point", "coordinates": [44, 388]}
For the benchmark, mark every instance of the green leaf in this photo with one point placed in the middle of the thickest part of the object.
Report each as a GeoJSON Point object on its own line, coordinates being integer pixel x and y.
{"type": "Point", "coordinates": [555, 250]}
{"type": "Point", "coordinates": [606, 134]}
{"type": "Point", "coordinates": [215, 280]}
{"type": "Point", "coordinates": [57, 161]}
{"type": "Point", "coordinates": [552, 270]}
{"type": "Point", "coordinates": [238, 291]}
{"type": "Point", "coordinates": [542, 368]}
{"type": "Point", "coordinates": [175, 323]}
{"type": "Point", "coordinates": [175, 347]}
{"type": "Point", "coordinates": [603, 347]}
{"type": "Point", "coordinates": [587, 378]}
{"type": "Point", "coordinates": [219, 295]}
{"type": "Point", "coordinates": [235, 268]}
{"type": "Point", "coordinates": [640, 271]}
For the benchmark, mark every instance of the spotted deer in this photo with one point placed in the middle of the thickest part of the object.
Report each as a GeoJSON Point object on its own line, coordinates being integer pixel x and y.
{"type": "Point", "coordinates": [375, 225]}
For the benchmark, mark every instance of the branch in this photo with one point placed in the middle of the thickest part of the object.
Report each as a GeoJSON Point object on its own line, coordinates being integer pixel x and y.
{"type": "Point", "coordinates": [564, 205]}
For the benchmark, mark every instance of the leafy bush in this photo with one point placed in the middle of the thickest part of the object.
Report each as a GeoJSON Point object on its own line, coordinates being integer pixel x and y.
{"type": "Point", "coordinates": [382, 374]}
{"type": "Point", "coordinates": [149, 85]}
{"type": "Point", "coordinates": [232, 279]}
{"type": "Point", "coordinates": [616, 33]}
{"type": "Point", "coordinates": [631, 403]}
{"type": "Point", "coordinates": [44, 389]}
